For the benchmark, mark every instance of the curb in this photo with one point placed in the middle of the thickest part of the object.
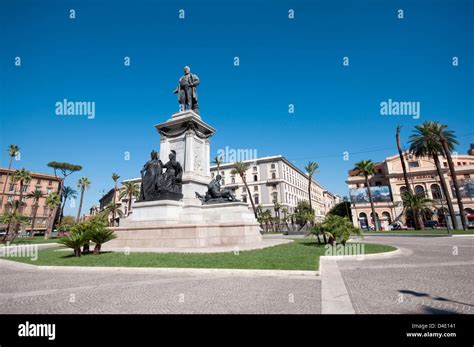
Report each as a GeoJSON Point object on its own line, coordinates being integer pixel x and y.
{"type": "Point", "coordinates": [186, 271]}
{"type": "Point", "coordinates": [156, 270]}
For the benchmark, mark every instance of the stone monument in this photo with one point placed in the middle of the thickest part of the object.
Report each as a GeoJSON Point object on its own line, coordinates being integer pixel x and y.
{"type": "Point", "coordinates": [180, 205]}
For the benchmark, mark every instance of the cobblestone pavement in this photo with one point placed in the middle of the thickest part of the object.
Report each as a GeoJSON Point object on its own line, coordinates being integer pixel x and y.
{"type": "Point", "coordinates": [62, 291]}
{"type": "Point", "coordinates": [435, 276]}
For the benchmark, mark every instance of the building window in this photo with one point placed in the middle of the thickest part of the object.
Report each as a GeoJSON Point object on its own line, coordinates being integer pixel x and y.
{"type": "Point", "coordinates": [419, 190]}
{"type": "Point", "coordinates": [255, 178]}
{"type": "Point", "coordinates": [275, 198]}
{"type": "Point", "coordinates": [254, 169]}
{"type": "Point", "coordinates": [273, 176]}
{"type": "Point", "coordinates": [272, 166]}
{"type": "Point", "coordinates": [24, 189]}
{"type": "Point", "coordinates": [12, 187]}
{"type": "Point", "coordinates": [403, 190]}
{"type": "Point", "coordinates": [255, 188]}
{"type": "Point", "coordinates": [244, 198]}
{"type": "Point", "coordinates": [386, 216]}
{"type": "Point", "coordinates": [436, 192]}
{"type": "Point", "coordinates": [255, 198]}
{"type": "Point", "coordinates": [413, 164]}
{"type": "Point", "coordinates": [38, 181]}
{"type": "Point", "coordinates": [233, 179]}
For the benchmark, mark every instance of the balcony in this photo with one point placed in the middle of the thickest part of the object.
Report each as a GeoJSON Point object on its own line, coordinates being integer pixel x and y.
{"type": "Point", "coordinates": [272, 181]}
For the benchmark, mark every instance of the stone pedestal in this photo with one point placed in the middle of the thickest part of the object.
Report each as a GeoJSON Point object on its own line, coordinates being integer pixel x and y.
{"type": "Point", "coordinates": [189, 136]}
{"type": "Point", "coordinates": [172, 224]}
{"type": "Point", "coordinates": [187, 223]}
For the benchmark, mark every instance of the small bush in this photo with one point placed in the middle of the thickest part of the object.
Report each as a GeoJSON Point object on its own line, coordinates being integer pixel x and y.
{"type": "Point", "coordinates": [335, 229]}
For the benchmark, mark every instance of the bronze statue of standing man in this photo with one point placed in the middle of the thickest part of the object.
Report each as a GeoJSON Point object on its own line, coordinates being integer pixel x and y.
{"type": "Point", "coordinates": [186, 90]}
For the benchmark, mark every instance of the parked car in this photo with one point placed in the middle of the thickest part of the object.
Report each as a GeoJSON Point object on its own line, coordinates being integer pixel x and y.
{"type": "Point", "coordinates": [397, 225]}
{"type": "Point", "coordinates": [432, 224]}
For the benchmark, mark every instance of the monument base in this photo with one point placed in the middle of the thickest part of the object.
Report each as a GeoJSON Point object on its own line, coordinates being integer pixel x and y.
{"type": "Point", "coordinates": [173, 225]}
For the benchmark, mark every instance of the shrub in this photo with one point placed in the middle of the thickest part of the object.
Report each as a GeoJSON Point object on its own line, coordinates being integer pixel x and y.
{"type": "Point", "coordinates": [336, 229]}
{"type": "Point", "coordinates": [77, 237]}
{"type": "Point", "coordinates": [94, 229]}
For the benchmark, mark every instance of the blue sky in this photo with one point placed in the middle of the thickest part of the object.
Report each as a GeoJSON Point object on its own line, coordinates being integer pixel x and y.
{"type": "Point", "coordinates": [282, 62]}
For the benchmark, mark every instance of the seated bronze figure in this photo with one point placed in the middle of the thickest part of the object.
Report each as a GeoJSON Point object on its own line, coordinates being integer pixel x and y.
{"type": "Point", "coordinates": [214, 193]}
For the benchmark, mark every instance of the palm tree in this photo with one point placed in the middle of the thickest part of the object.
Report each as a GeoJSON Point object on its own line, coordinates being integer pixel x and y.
{"type": "Point", "coordinates": [115, 210]}
{"type": "Point", "coordinates": [366, 169]}
{"type": "Point", "coordinates": [82, 184]}
{"type": "Point", "coordinates": [448, 141]}
{"type": "Point", "coordinates": [404, 169]}
{"type": "Point", "coordinates": [24, 177]}
{"type": "Point", "coordinates": [52, 203]}
{"type": "Point", "coordinates": [67, 193]}
{"type": "Point", "coordinates": [115, 178]}
{"type": "Point", "coordinates": [241, 168]}
{"type": "Point", "coordinates": [417, 203]}
{"type": "Point", "coordinates": [131, 190]}
{"type": "Point", "coordinates": [402, 160]}
{"type": "Point", "coordinates": [218, 161]}
{"type": "Point", "coordinates": [284, 210]}
{"type": "Point", "coordinates": [311, 169]}
{"type": "Point", "coordinates": [13, 151]}
{"type": "Point", "coordinates": [277, 208]}
{"type": "Point", "coordinates": [12, 218]}
{"type": "Point", "coordinates": [426, 142]}
{"type": "Point", "coordinates": [35, 195]}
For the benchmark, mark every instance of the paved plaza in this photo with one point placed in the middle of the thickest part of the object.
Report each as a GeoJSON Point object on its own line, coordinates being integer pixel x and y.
{"type": "Point", "coordinates": [428, 275]}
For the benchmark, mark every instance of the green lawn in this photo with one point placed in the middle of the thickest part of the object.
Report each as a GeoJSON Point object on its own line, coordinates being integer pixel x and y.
{"type": "Point", "coordinates": [302, 254]}
{"type": "Point", "coordinates": [34, 240]}
{"type": "Point", "coordinates": [421, 232]}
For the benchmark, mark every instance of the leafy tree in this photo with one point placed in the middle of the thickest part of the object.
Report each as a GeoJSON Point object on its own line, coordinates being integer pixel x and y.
{"type": "Point", "coordinates": [64, 170]}
{"type": "Point", "coordinates": [303, 214]}
{"type": "Point", "coordinates": [343, 209]}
